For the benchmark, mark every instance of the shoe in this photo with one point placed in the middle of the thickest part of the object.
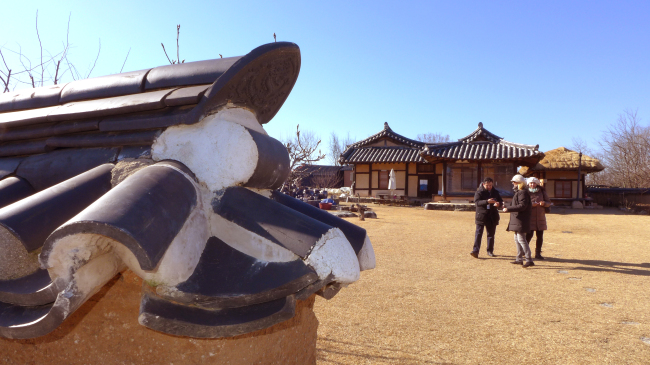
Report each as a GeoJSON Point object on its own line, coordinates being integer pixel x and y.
{"type": "Point", "coordinates": [538, 256]}
{"type": "Point", "coordinates": [474, 254]}
{"type": "Point", "coordinates": [491, 254]}
{"type": "Point", "coordinates": [528, 264]}
{"type": "Point", "coordinates": [517, 262]}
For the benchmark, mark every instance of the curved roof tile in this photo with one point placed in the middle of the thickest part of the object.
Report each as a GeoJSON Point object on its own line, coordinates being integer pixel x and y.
{"type": "Point", "coordinates": [120, 205]}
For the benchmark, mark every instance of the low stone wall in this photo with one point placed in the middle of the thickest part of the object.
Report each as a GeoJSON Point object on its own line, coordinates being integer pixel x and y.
{"type": "Point", "coordinates": [462, 207]}
{"type": "Point", "coordinates": [105, 330]}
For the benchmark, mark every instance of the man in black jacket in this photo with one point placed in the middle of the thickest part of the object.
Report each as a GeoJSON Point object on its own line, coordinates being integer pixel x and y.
{"type": "Point", "coordinates": [487, 200]}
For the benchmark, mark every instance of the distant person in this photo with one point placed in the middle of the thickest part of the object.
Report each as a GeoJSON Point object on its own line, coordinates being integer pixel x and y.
{"type": "Point", "coordinates": [487, 200]}
{"type": "Point", "coordinates": [539, 200]}
{"type": "Point", "coordinates": [520, 210]}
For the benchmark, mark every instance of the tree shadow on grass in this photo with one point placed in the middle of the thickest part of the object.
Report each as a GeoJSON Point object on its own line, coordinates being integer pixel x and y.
{"type": "Point", "coordinates": [368, 352]}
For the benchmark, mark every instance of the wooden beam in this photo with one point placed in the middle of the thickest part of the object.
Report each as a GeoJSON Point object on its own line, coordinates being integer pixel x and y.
{"type": "Point", "coordinates": [370, 180]}
{"type": "Point", "coordinates": [406, 180]}
{"type": "Point", "coordinates": [444, 180]}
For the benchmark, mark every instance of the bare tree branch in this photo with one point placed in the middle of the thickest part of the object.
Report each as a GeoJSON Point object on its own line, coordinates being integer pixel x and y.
{"type": "Point", "coordinates": [40, 44]}
{"type": "Point", "coordinates": [178, 33]}
{"type": "Point", "coordinates": [127, 57]}
{"type": "Point", "coordinates": [66, 46]}
{"type": "Point", "coordinates": [302, 150]}
{"type": "Point", "coordinates": [163, 46]}
{"type": "Point", "coordinates": [96, 58]}
{"type": "Point", "coordinates": [6, 82]}
{"type": "Point", "coordinates": [433, 138]}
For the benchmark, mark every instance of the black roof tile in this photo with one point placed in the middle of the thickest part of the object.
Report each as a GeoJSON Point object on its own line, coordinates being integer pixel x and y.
{"type": "Point", "coordinates": [39, 97]}
{"type": "Point", "coordinates": [31, 290]}
{"type": "Point", "coordinates": [144, 215]}
{"type": "Point", "coordinates": [277, 223]}
{"type": "Point", "coordinates": [249, 280]}
{"type": "Point", "coordinates": [104, 139]}
{"type": "Point", "coordinates": [104, 86]}
{"type": "Point", "coordinates": [481, 145]}
{"type": "Point", "coordinates": [185, 320]}
{"type": "Point", "coordinates": [390, 154]}
{"type": "Point", "coordinates": [43, 171]}
{"type": "Point", "coordinates": [186, 95]}
{"type": "Point", "coordinates": [110, 106]}
{"type": "Point", "coordinates": [188, 73]}
{"type": "Point", "coordinates": [32, 220]}
{"type": "Point", "coordinates": [13, 189]}
{"type": "Point", "coordinates": [9, 165]}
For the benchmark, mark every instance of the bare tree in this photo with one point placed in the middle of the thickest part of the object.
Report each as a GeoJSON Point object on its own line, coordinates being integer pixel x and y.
{"type": "Point", "coordinates": [433, 138]}
{"type": "Point", "coordinates": [17, 69]}
{"type": "Point", "coordinates": [626, 152]}
{"type": "Point", "coordinates": [580, 145]}
{"type": "Point", "coordinates": [327, 179]}
{"type": "Point", "coordinates": [302, 149]}
{"type": "Point", "coordinates": [337, 147]}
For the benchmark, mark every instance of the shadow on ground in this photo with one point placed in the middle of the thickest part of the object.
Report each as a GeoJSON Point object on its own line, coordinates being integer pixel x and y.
{"type": "Point", "coordinates": [362, 352]}
{"type": "Point", "coordinates": [600, 265]}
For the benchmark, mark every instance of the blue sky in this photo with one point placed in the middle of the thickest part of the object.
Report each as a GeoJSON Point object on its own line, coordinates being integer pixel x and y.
{"type": "Point", "coordinates": [532, 72]}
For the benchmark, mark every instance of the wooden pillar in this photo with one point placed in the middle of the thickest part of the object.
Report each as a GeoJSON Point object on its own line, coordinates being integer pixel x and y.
{"type": "Point", "coordinates": [406, 182]}
{"type": "Point", "coordinates": [370, 180]}
{"type": "Point", "coordinates": [444, 180]}
{"type": "Point", "coordinates": [353, 183]}
{"type": "Point", "coordinates": [478, 175]}
{"type": "Point", "coordinates": [578, 186]}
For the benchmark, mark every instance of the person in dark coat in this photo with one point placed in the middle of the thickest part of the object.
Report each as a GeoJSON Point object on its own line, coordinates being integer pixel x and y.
{"type": "Point", "coordinates": [520, 210]}
{"type": "Point", "coordinates": [538, 200]}
{"type": "Point", "coordinates": [487, 200]}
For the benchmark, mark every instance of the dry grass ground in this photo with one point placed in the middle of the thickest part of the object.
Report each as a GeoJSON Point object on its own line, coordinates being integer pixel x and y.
{"type": "Point", "coordinates": [429, 302]}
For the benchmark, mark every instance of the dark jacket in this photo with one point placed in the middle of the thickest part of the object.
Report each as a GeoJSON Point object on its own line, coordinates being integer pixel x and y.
{"type": "Point", "coordinates": [485, 216]}
{"type": "Point", "coordinates": [538, 213]}
{"type": "Point", "coordinates": [520, 210]}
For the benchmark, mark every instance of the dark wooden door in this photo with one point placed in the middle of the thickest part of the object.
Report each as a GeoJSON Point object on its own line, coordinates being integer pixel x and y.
{"type": "Point", "coordinates": [427, 186]}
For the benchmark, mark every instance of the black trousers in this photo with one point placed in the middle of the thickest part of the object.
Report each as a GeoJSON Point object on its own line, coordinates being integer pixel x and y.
{"type": "Point", "coordinates": [478, 237]}
{"type": "Point", "coordinates": [538, 243]}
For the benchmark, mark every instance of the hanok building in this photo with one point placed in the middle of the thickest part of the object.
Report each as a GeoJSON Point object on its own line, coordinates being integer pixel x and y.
{"type": "Point", "coordinates": [436, 171]}
{"type": "Point", "coordinates": [375, 156]}
{"type": "Point", "coordinates": [562, 172]}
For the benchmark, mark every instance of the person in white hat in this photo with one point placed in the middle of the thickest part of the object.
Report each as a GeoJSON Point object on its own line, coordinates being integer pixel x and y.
{"type": "Point", "coordinates": [539, 200]}
{"type": "Point", "coordinates": [520, 210]}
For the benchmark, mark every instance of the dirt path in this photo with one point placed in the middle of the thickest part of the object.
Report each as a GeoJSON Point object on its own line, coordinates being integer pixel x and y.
{"type": "Point", "coordinates": [429, 302]}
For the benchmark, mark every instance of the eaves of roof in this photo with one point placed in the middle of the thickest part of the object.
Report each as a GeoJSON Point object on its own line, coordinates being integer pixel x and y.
{"type": "Point", "coordinates": [392, 154]}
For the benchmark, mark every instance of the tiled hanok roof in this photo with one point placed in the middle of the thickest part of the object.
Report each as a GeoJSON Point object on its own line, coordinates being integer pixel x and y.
{"type": "Point", "coordinates": [110, 173]}
{"type": "Point", "coordinates": [387, 132]}
{"type": "Point", "coordinates": [361, 152]}
{"type": "Point", "coordinates": [482, 145]}
{"type": "Point", "coordinates": [383, 154]}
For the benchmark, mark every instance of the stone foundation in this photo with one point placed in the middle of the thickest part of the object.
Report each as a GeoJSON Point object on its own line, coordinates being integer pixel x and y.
{"type": "Point", "coordinates": [105, 330]}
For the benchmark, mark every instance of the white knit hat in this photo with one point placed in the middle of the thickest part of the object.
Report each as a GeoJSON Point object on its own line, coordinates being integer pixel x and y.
{"type": "Point", "coordinates": [518, 179]}
{"type": "Point", "coordinates": [533, 179]}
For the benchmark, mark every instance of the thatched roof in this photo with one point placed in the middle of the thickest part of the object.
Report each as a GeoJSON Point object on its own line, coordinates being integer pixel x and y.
{"type": "Point", "coordinates": [563, 159]}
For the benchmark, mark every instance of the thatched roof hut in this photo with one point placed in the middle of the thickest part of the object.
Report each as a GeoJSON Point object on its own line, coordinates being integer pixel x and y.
{"type": "Point", "coordinates": [564, 159]}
